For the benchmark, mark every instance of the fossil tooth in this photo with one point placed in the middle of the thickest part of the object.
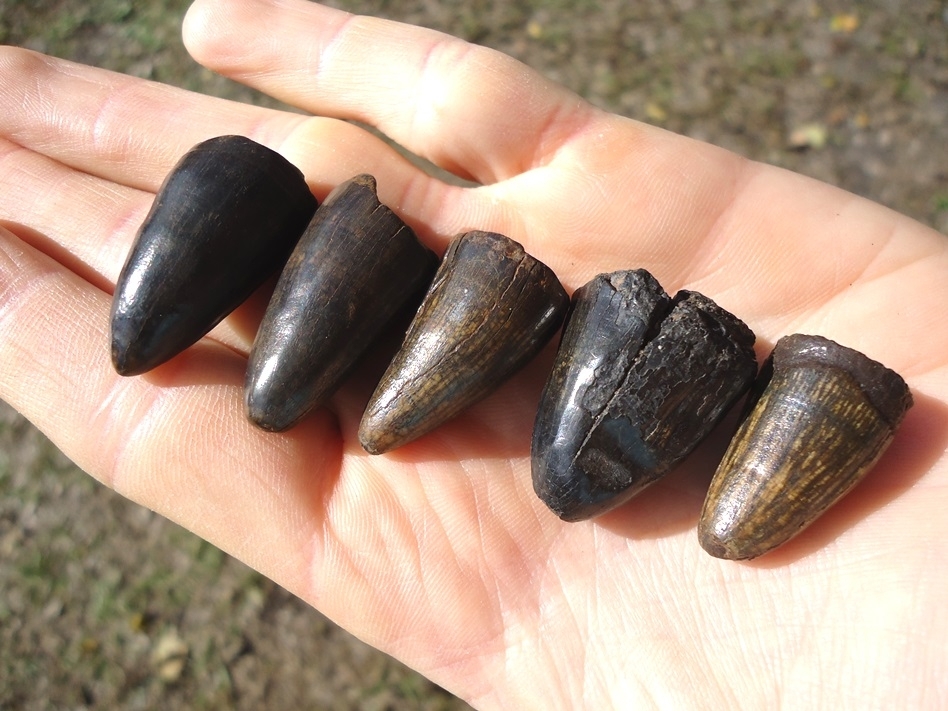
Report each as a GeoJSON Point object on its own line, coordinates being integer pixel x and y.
{"type": "Point", "coordinates": [355, 267]}
{"type": "Point", "coordinates": [639, 380]}
{"type": "Point", "coordinates": [490, 309]}
{"type": "Point", "coordinates": [224, 219]}
{"type": "Point", "coordinates": [820, 416]}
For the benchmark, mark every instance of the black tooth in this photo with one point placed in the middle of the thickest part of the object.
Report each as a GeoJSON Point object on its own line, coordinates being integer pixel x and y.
{"type": "Point", "coordinates": [661, 392]}
{"type": "Point", "coordinates": [590, 366]}
{"type": "Point", "coordinates": [354, 269]}
{"type": "Point", "coordinates": [224, 220]}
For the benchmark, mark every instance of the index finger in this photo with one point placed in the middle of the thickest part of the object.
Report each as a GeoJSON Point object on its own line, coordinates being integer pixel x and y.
{"type": "Point", "coordinates": [442, 98]}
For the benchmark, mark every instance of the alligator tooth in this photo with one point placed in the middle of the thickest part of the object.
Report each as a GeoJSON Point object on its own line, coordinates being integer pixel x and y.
{"type": "Point", "coordinates": [355, 267]}
{"type": "Point", "coordinates": [820, 417]}
{"type": "Point", "coordinates": [639, 380]}
{"type": "Point", "coordinates": [224, 219]}
{"type": "Point", "coordinates": [490, 309]}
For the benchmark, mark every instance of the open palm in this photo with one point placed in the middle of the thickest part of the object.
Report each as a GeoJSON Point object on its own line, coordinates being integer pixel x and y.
{"type": "Point", "coordinates": [439, 553]}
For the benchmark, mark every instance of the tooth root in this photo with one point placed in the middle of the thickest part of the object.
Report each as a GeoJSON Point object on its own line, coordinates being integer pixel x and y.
{"type": "Point", "coordinates": [354, 269]}
{"type": "Point", "coordinates": [490, 309]}
{"type": "Point", "coordinates": [224, 219]}
{"type": "Point", "coordinates": [822, 417]}
{"type": "Point", "coordinates": [625, 405]}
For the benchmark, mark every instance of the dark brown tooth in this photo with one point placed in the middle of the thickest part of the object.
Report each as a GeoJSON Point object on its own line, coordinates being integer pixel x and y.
{"type": "Point", "coordinates": [821, 416]}
{"type": "Point", "coordinates": [638, 382]}
{"type": "Point", "coordinates": [224, 219]}
{"type": "Point", "coordinates": [356, 266]}
{"type": "Point", "coordinates": [490, 309]}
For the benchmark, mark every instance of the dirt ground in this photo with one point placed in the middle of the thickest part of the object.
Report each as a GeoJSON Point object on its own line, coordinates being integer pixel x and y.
{"type": "Point", "coordinates": [106, 605]}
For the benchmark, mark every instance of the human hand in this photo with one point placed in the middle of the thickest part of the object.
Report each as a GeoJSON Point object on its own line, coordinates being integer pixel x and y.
{"type": "Point", "coordinates": [439, 553]}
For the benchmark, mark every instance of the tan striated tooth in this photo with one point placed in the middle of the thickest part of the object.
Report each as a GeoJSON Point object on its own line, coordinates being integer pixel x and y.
{"type": "Point", "coordinates": [356, 266]}
{"type": "Point", "coordinates": [820, 418]}
{"type": "Point", "coordinates": [490, 309]}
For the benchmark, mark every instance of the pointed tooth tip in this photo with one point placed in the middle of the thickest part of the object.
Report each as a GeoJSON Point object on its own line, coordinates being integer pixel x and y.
{"type": "Point", "coordinates": [560, 498]}
{"type": "Point", "coordinates": [127, 361]}
{"type": "Point", "coordinates": [124, 369]}
{"type": "Point", "coordinates": [120, 363]}
{"type": "Point", "coordinates": [265, 420]}
{"type": "Point", "coordinates": [571, 515]}
{"type": "Point", "coordinates": [372, 446]}
{"type": "Point", "coordinates": [261, 422]}
{"type": "Point", "coordinates": [717, 548]}
{"type": "Point", "coordinates": [571, 511]}
{"type": "Point", "coordinates": [725, 535]}
{"type": "Point", "coordinates": [263, 414]}
{"type": "Point", "coordinates": [372, 437]}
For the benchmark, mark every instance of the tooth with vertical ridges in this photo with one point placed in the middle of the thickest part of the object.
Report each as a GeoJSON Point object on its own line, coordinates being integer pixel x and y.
{"type": "Point", "coordinates": [820, 416]}
{"type": "Point", "coordinates": [490, 309]}
{"type": "Point", "coordinates": [356, 266]}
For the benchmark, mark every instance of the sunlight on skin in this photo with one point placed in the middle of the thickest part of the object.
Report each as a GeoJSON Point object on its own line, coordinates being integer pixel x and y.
{"type": "Point", "coordinates": [439, 553]}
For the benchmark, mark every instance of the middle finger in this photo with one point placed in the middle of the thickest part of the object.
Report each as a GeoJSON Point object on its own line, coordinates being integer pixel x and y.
{"type": "Point", "coordinates": [131, 131]}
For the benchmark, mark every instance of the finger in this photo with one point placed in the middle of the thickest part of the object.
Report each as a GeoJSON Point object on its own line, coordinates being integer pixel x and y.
{"type": "Point", "coordinates": [175, 441]}
{"type": "Point", "coordinates": [131, 132]}
{"type": "Point", "coordinates": [86, 222]}
{"type": "Point", "coordinates": [471, 110]}
{"type": "Point", "coordinates": [92, 119]}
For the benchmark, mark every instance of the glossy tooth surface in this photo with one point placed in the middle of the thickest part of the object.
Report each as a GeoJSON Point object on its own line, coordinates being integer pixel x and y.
{"type": "Point", "coordinates": [224, 219]}
{"type": "Point", "coordinates": [356, 266]}
{"type": "Point", "coordinates": [822, 414]}
{"type": "Point", "coordinates": [639, 380]}
{"type": "Point", "coordinates": [490, 309]}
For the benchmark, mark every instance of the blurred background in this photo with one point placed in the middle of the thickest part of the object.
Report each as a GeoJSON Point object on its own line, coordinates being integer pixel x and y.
{"type": "Point", "coordinates": [104, 604]}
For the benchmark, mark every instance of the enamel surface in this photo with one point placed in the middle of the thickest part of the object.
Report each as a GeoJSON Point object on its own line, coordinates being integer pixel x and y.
{"type": "Point", "coordinates": [490, 309]}
{"type": "Point", "coordinates": [354, 269]}
{"type": "Point", "coordinates": [224, 220]}
{"type": "Point", "coordinates": [822, 416]}
{"type": "Point", "coordinates": [639, 380]}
